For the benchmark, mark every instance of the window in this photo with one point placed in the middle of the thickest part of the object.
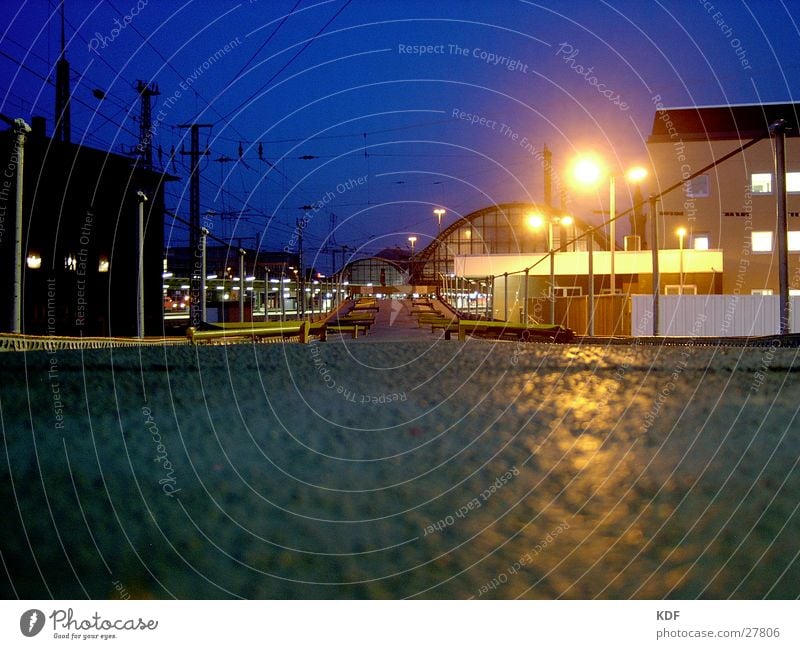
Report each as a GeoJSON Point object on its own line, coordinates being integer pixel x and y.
{"type": "Point", "coordinates": [761, 183]}
{"type": "Point", "coordinates": [794, 240]}
{"type": "Point", "coordinates": [677, 289]}
{"type": "Point", "coordinates": [697, 187]}
{"type": "Point", "coordinates": [701, 241]}
{"type": "Point", "coordinates": [761, 291]}
{"type": "Point", "coordinates": [793, 181]}
{"type": "Point", "coordinates": [761, 241]}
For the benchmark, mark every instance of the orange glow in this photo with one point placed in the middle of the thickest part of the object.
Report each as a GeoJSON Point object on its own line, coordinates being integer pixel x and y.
{"type": "Point", "coordinates": [535, 221]}
{"type": "Point", "coordinates": [636, 174]}
{"type": "Point", "coordinates": [588, 171]}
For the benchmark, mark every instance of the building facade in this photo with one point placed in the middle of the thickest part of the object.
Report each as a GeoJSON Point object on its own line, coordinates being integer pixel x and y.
{"type": "Point", "coordinates": [80, 239]}
{"type": "Point", "coordinates": [733, 205]}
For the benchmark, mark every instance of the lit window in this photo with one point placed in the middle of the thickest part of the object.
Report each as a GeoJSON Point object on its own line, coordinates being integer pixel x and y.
{"type": "Point", "coordinates": [761, 183]}
{"type": "Point", "coordinates": [34, 261]}
{"type": "Point", "coordinates": [793, 181]}
{"type": "Point", "coordinates": [102, 265]}
{"type": "Point", "coordinates": [794, 240]}
{"type": "Point", "coordinates": [697, 187]}
{"type": "Point", "coordinates": [70, 263]}
{"type": "Point", "coordinates": [701, 241]}
{"type": "Point", "coordinates": [762, 241]}
{"type": "Point", "coordinates": [761, 291]}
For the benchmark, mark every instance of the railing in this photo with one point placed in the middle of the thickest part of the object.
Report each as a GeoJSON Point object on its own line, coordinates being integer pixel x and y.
{"type": "Point", "coordinates": [27, 343]}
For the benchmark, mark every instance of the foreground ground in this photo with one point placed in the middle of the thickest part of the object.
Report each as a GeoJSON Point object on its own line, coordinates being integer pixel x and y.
{"type": "Point", "coordinates": [386, 469]}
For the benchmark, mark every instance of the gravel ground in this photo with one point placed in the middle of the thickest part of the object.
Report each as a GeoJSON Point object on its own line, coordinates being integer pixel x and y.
{"type": "Point", "coordinates": [376, 470]}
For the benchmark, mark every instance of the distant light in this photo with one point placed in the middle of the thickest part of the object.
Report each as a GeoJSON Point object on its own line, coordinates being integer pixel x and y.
{"type": "Point", "coordinates": [225, 296]}
{"type": "Point", "coordinates": [567, 221]}
{"type": "Point", "coordinates": [535, 221]}
{"type": "Point", "coordinates": [211, 277]}
{"type": "Point", "coordinates": [185, 287]}
{"type": "Point", "coordinates": [636, 174]}
{"type": "Point", "coordinates": [274, 281]}
{"type": "Point", "coordinates": [250, 278]}
{"type": "Point", "coordinates": [587, 171]}
{"type": "Point", "coordinates": [681, 232]}
{"type": "Point", "coordinates": [34, 261]}
{"type": "Point", "coordinates": [166, 275]}
{"type": "Point", "coordinates": [102, 266]}
{"type": "Point", "coordinates": [235, 279]}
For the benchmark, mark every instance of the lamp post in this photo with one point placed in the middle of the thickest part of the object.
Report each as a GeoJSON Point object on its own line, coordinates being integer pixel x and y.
{"type": "Point", "coordinates": [141, 199]}
{"type": "Point", "coordinates": [21, 130]}
{"type": "Point", "coordinates": [439, 212]}
{"type": "Point", "coordinates": [681, 232]}
{"type": "Point", "coordinates": [412, 241]}
{"type": "Point", "coordinates": [203, 277]}
{"type": "Point", "coordinates": [588, 171]}
{"type": "Point", "coordinates": [536, 221]}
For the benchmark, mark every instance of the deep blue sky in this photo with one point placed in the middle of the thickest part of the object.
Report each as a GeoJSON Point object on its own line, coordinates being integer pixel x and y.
{"type": "Point", "coordinates": [352, 91]}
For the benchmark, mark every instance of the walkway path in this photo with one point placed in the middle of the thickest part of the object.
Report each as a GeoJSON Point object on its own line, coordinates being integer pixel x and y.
{"type": "Point", "coordinates": [394, 323]}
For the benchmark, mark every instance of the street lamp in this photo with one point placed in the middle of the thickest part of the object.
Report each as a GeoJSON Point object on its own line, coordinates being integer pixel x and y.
{"type": "Point", "coordinates": [589, 171]}
{"type": "Point", "coordinates": [681, 232]}
{"type": "Point", "coordinates": [535, 221]}
{"type": "Point", "coordinates": [141, 198]}
{"type": "Point", "coordinates": [412, 241]}
{"type": "Point", "coordinates": [439, 212]}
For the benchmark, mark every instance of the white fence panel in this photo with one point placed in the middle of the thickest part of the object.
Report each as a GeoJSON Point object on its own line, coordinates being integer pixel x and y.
{"type": "Point", "coordinates": [712, 315]}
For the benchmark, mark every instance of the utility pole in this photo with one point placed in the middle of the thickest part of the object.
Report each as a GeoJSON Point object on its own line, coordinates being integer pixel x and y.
{"type": "Point", "coordinates": [141, 198]}
{"type": "Point", "coordinates": [779, 129]}
{"type": "Point", "coordinates": [21, 130]}
{"type": "Point", "coordinates": [301, 277]}
{"type": "Point", "coordinates": [145, 147]}
{"type": "Point", "coordinates": [242, 253]}
{"type": "Point", "coordinates": [63, 128]}
{"type": "Point", "coordinates": [194, 154]}
{"type": "Point", "coordinates": [656, 273]}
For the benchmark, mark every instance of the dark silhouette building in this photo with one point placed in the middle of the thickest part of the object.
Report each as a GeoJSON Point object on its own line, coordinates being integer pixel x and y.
{"type": "Point", "coordinates": [80, 239]}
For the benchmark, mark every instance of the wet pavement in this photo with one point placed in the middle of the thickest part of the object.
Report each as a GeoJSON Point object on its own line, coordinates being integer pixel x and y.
{"type": "Point", "coordinates": [431, 468]}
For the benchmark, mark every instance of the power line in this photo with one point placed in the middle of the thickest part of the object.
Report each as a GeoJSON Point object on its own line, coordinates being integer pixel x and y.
{"type": "Point", "coordinates": [269, 38]}
{"type": "Point", "coordinates": [288, 63]}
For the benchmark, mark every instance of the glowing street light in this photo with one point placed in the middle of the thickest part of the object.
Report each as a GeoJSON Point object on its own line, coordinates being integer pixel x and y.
{"type": "Point", "coordinates": [536, 221]}
{"type": "Point", "coordinates": [588, 171]}
{"type": "Point", "coordinates": [412, 241]}
{"type": "Point", "coordinates": [439, 212]}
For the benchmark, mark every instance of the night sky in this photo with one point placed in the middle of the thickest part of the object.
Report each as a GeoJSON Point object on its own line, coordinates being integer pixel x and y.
{"type": "Point", "coordinates": [401, 106]}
